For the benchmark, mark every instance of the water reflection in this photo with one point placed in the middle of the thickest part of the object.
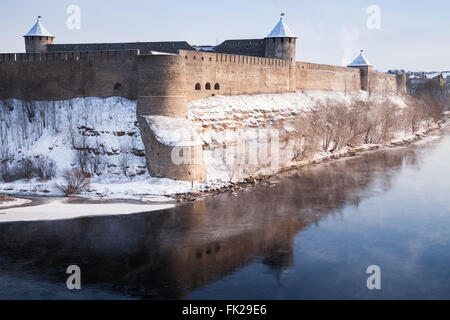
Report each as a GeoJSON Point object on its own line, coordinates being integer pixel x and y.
{"type": "Point", "coordinates": [171, 253]}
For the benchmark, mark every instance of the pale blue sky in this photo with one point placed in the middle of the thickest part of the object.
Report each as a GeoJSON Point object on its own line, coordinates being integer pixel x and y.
{"type": "Point", "coordinates": [414, 35]}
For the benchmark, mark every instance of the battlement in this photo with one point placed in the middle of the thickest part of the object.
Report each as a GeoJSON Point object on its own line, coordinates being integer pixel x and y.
{"type": "Point", "coordinates": [144, 47]}
{"type": "Point", "coordinates": [325, 67]}
{"type": "Point", "coordinates": [70, 56]}
{"type": "Point", "coordinates": [196, 57]}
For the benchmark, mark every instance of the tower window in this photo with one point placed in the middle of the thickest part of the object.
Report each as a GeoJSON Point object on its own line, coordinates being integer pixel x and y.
{"type": "Point", "coordinates": [273, 40]}
{"type": "Point", "coordinates": [117, 86]}
{"type": "Point", "coordinates": [208, 86]}
{"type": "Point", "coordinates": [290, 40]}
{"type": "Point", "coordinates": [282, 40]}
{"type": "Point", "coordinates": [217, 86]}
{"type": "Point", "coordinates": [198, 86]}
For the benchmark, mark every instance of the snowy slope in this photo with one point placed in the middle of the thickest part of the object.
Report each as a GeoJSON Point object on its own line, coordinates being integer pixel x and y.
{"type": "Point", "coordinates": [103, 136]}
{"type": "Point", "coordinates": [104, 132]}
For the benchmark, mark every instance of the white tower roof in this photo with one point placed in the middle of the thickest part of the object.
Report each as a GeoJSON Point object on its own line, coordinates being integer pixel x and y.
{"type": "Point", "coordinates": [38, 30]}
{"type": "Point", "coordinates": [360, 61]}
{"type": "Point", "coordinates": [281, 30]}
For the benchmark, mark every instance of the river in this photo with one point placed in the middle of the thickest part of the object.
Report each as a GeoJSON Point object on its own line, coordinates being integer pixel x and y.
{"type": "Point", "coordinates": [308, 234]}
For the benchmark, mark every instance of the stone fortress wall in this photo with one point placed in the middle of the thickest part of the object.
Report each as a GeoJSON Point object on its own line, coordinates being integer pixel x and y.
{"type": "Point", "coordinates": [67, 75]}
{"type": "Point", "coordinates": [164, 76]}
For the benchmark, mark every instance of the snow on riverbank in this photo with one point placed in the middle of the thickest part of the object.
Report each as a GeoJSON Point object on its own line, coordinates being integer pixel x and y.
{"type": "Point", "coordinates": [14, 203]}
{"type": "Point", "coordinates": [102, 136]}
{"type": "Point", "coordinates": [230, 112]}
{"type": "Point", "coordinates": [236, 129]}
{"type": "Point", "coordinates": [61, 210]}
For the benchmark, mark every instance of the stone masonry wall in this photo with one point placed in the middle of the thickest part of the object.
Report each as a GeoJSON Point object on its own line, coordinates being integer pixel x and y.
{"type": "Point", "coordinates": [227, 74]}
{"type": "Point", "coordinates": [311, 76]}
{"type": "Point", "coordinates": [63, 76]}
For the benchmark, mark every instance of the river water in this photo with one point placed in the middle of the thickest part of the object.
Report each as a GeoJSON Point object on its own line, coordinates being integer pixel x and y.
{"type": "Point", "coordinates": [309, 234]}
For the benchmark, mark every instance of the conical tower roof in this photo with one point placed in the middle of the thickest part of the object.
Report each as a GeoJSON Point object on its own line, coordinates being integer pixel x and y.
{"type": "Point", "coordinates": [38, 30]}
{"type": "Point", "coordinates": [360, 61]}
{"type": "Point", "coordinates": [281, 30]}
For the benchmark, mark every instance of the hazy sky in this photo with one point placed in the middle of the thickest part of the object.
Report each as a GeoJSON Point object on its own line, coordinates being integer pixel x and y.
{"type": "Point", "coordinates": [414, 35]}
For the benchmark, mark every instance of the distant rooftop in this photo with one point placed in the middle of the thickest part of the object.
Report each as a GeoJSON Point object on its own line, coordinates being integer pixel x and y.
{"type": "Point", "coordinates": [38, 30]}
{"type": "Point", "coordinates": [360, 61]}
{"type": "Point", "coordinates": [281, 30]}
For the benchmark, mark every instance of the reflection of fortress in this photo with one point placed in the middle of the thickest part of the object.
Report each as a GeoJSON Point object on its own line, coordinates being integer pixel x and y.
{"type": "Point", "coordinates": [164, 76]}
{"type": "Point", "coordinates": [169, 254]}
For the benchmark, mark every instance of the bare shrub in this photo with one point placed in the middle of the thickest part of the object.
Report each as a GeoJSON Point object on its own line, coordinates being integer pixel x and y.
{"type": "Point", "coordinates": [28, 168]}
{"type": "Point", "coordinates": [124, 162]}
{"type": "Point", "coordinates": [82, 159]}
{"type": "Point", "coordinates": [414, 115]}
{"type": "Point", "coordinates": [44, 167]}
{"type": "Point", "coordinates": [5, 198]}
{"type": "Point", "coordinates": [388, 120]}
{"type": "Point", "coordinates": [4, 172]}
{"type": "Point", "coordinates": [95, 164]}
{"type": "Point", "coordinates": [75, 182]}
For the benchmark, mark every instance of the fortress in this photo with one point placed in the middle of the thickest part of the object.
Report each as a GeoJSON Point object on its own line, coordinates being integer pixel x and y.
{"type": "Point", "coordinates": [164, 76]}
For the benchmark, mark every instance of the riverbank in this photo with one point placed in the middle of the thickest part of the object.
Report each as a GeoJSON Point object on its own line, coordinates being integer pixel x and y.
{"type": "Point", "coordinates": [53, 209]}
{"type": "Point", "coordinates": [7, 201]}
{"type": "Point", "coordinates": [62, 208]}
{"type": "Point", "coordinates": [246, 184]}
{"type": "Point", "coordinates": [306, 127]}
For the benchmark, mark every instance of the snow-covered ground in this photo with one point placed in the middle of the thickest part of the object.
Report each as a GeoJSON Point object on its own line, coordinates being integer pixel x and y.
{"type": "Point", "coordinates": [60, 210]}
{"type": "Point", "coordinates": [244, 126]}
{"type": "Point", "coordinates": [14, 203]}
{"type": "Point", "coordinates": [103, 136]}
{"type": "Point", "coordinates": [102, 132]}
{"type": "Point", "coordinates": [230, 112]}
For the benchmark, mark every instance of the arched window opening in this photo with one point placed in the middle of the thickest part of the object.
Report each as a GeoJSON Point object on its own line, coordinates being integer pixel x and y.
{"type": "Point", "coordinates": [208, 86]}
{"type": "Point", "coordinates": [198, 86]}
{"type": "Point", "coordinates": [217, 86]}
{"type": "Point", "coordinates": [117, 87]}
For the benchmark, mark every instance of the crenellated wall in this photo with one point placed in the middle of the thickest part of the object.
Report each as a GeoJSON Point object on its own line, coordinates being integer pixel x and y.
{"type": "Point", "coordinates": [63, 76]}
{"type": "Point", "coordinates": [234, 75]}
{"type": "Point", "coordinates": [163, 84]}
{"type": "Point", "coordinates": [311, 76]}
{"type": "Point", "coordinates": [381, 82]}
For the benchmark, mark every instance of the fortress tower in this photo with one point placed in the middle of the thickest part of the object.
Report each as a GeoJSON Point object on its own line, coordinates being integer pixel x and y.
{"type": "Point", "coordinates": [365, 68]}
{"type": "Point", "coordinates": [281, 43]}
{"type": "Point", "coordinates": [37, 39]}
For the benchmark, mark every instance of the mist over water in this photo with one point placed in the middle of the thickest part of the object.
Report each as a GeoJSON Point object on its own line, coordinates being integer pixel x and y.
{"type": "Point", "coordinates": [309, 234]}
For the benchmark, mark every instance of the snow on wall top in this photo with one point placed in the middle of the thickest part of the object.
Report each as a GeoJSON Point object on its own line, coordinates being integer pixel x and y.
{"type": "Point", "coordinates": [360, 61]}
{"type": "Point", "coordinates": [173, 132]}
{"type": "Point", "coordinates": [281, 30]}
{"type": "Point", "coordinates": [38, 30]}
